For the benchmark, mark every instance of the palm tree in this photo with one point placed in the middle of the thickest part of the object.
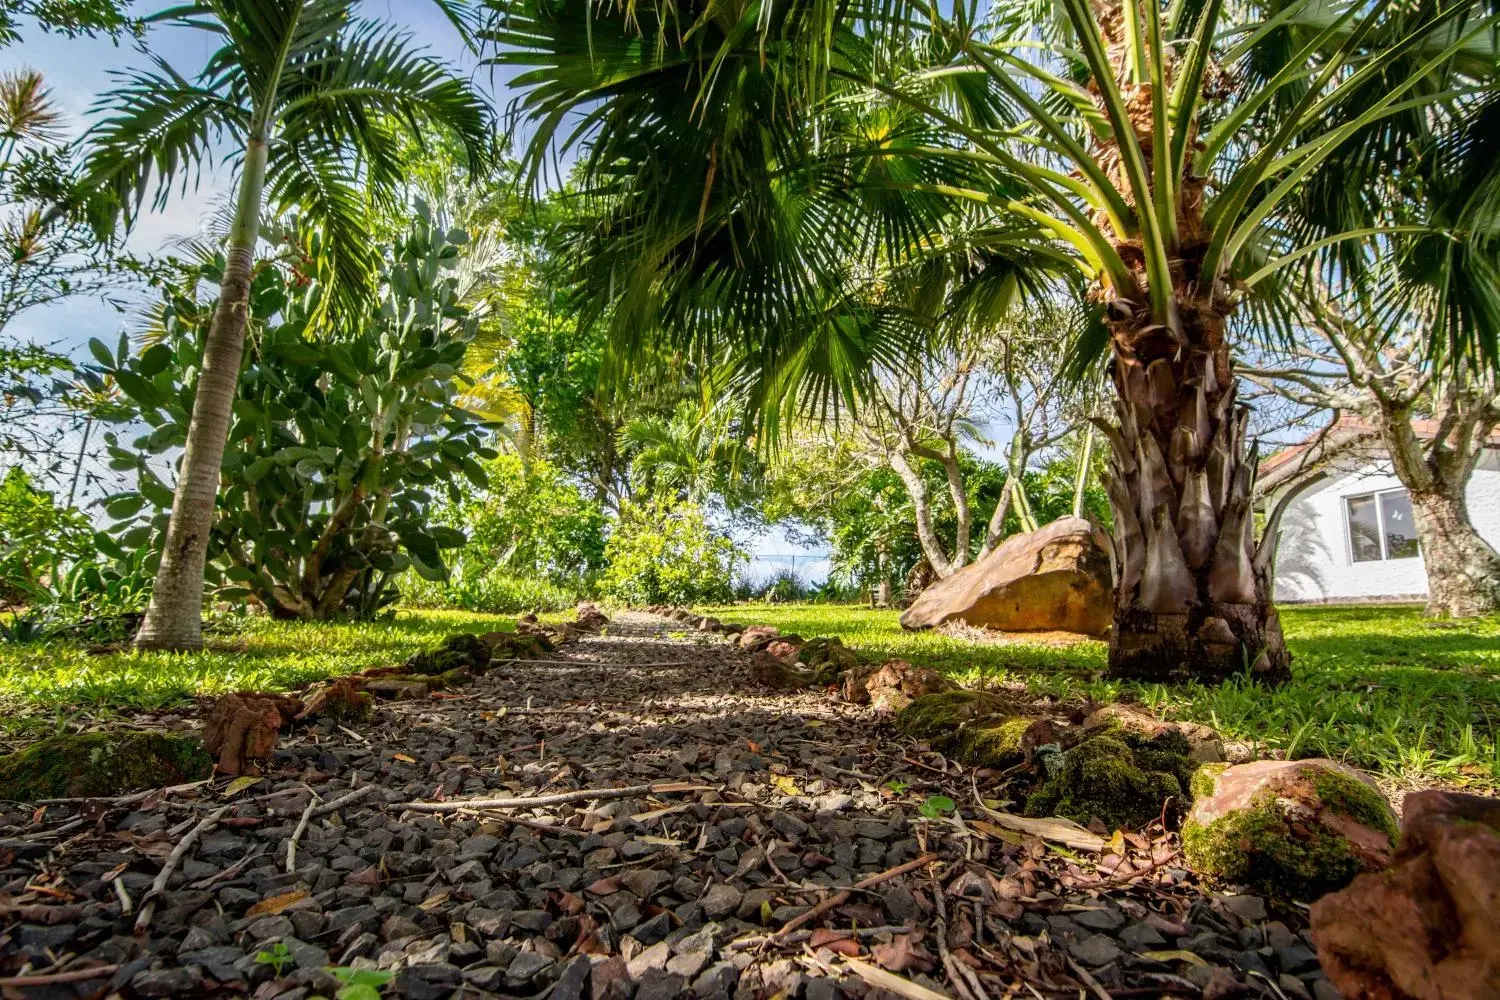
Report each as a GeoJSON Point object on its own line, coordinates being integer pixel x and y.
{"type": "Point", "coordinates": [312, 103]}
{"type": "Point", "coordinates": [1124, 144]}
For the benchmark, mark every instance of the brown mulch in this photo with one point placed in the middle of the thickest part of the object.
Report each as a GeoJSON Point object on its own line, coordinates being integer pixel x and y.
{"type": "Point", "coordinates": [741, 843]}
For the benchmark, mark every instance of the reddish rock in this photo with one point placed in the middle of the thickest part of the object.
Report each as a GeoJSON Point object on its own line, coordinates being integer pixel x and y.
{"type": "Point", "coordinates": [892, 685]}
{"type": "Point", "coordinates": [340, 700]}
{"type": "Point", "coordinates": [589, 618]}
{"type": "Point", "coordinates": [1296, 828]}
{"type": "Point", "coordinates": [784, 650]}
{"type": "Point", "coordinates": [1429, 927]}
{"type": "Point", "coordinates": [757, 637]}
{"type": "Point", "coordinates": [769, 671]}
{"type": "Point", "coordinates": [1054, 579]}
{"type": "Point", "coordinates": [241, 730]}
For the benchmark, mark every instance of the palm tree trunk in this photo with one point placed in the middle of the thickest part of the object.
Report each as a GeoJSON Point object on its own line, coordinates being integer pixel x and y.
{"type": "Point", "coordinates": [174, 619]}
{"type": "Point", "coordinates": [1192, 598]}
{"type": "Point", "coordinates": [1463, 570]}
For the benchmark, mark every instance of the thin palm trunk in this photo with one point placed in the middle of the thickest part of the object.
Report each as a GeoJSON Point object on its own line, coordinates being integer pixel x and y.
{"type": "Point", "coordinates": [1081, 485]}
{"type": "Point", "coordinates": [174, 619]}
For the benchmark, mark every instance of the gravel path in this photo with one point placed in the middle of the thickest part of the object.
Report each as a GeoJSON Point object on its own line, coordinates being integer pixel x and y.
{"type": "Point", "coordinates": [764, 807]}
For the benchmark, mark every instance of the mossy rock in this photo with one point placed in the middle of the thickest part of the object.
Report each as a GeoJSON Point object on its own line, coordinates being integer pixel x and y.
{"type": "Point", "coordinates": [101, 764]}
{"type": "Point", "coordinates": [932, 715]}
{"type": "Point", "coordinates": [463, 651]}
{"type": "Point", "coordinates": [997, 742]}
{"type": "Point", "coordinates": [1103, 777]}
{"type": "Point", "coordinates": [828, 658]}
{"type": "Point", "coordinates": [1292, 829]}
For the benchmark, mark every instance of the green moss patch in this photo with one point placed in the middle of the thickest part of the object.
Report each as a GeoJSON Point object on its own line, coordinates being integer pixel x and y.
{"type": "Point", "coordinates": [457, 652]}
{"type": "Point", "coordinates": [933, 715]}
{"type": "Point", "coordinates": [993, 743]}
{"type": "Point", "coordinates": [1103, 777]}
{"type": "Point", "coordinates": [1289, 855]}
{"type": "Point", "coordinates": [101, 764]}
{"type": "Point", "coordinates": [828, 658]}
{"type": "Point", "coordinates": [1357, 800]}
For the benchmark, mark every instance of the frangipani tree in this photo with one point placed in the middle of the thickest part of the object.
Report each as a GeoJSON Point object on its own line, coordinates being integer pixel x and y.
{"type": "Point", "coordinates": [1123, 145]}
{"type": "Point", "coordinates": [309, 102]}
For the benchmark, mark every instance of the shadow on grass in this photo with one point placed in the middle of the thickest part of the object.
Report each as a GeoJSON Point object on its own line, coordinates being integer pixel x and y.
{"type": "Point", "coordinates": [1378, 686]}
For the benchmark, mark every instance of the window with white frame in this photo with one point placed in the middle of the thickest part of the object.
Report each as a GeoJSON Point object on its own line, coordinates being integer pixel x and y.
{"type": "Point", "coordinates": [1381, 526]}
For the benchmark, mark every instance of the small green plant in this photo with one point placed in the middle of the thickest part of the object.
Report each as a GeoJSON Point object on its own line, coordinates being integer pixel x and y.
{"type": "Point", "coordinates": [23, 629]}
{"type": "Point", "coordinates": [360, 984]}
{"type": "Point", "coordinates": [898, 786]}
{"type": "Point", "coordinates": [937, 806]}
{"type": "Point", "coordinates": [278, 957]}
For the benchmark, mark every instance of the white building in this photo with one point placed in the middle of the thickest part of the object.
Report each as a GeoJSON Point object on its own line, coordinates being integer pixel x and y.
{"type": "Point", "coordinates": [1347, 532]}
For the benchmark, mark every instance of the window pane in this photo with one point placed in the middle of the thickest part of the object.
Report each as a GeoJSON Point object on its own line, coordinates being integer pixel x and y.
{"type": "Point", "coordinates": [1364, 529]}
{"type": "Point", "coordinates": [1400, 529]}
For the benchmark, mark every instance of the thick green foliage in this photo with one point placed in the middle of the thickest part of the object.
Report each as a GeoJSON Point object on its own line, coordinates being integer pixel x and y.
{"type": "Point", "coordinates": [664, 552]}
{"type": "Point", "coordinates": [103, 763]}
{"type": "Point", "coordinates": [38, 538]}
{"type": "Point", "coordinates": [532, 523]}
{"type": "Point", "coordinates": [336, 444]}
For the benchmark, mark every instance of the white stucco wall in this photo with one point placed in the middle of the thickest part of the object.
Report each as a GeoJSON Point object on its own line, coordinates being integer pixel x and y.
{"type": "Point", "coordinates": [1313, 561]}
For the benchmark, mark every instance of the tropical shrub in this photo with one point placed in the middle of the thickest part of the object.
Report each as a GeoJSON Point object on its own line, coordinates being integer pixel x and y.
{"type": "Point", "coordinates": [475, 586]}
{"type": "Point", "coordinates": [336, 444]}
{"type": "Point", "coordinates": [530, 522]}
{"type": "Point", "coordinates": [663, 551]}
{"type": "Point", "coordinates": [39, 538]}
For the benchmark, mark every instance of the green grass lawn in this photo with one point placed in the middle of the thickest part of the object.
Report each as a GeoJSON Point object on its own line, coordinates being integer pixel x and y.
{"type": "Point", "coordinates": [43, 683]}
{"type": "Point", "coordinates": [1377, 686]}
{"type": "Point", "coordinates": [1374, 685]}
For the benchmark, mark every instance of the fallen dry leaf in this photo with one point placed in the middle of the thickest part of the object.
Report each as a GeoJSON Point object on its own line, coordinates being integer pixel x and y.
{"type": "Point", "coordinates": [239, 784]}
{"type": "Point", "coordinates": [898, 985]}
{"type": "Point", "coordinates": [1173, 956]}
{"type": "Point", "coordinates": [272, 905]}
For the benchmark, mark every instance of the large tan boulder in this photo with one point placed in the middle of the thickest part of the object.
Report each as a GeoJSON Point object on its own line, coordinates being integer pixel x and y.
{"type": "Point", "coordinates": [1053, 579]}
{"type": "Point", "coordinates": [1429, 926]}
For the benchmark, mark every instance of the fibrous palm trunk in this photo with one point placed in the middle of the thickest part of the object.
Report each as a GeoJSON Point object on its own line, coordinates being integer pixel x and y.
{"type": "Point", "coordinates": [1192, 595]}
{"type": "Point", "coordinates": [174, 619]}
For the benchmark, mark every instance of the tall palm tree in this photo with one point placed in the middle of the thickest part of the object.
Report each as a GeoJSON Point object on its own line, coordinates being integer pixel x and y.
{"type": "Point", "coordinates": [1157, 147]}
{"type": "Point", "coordinates": [311, 102]}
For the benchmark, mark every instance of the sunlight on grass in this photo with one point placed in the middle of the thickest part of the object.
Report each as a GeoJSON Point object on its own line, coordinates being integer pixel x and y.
{"type": "Point", "coordinates": [1377, 686]}
{"type": "Point", "coordinates": [259, 654]}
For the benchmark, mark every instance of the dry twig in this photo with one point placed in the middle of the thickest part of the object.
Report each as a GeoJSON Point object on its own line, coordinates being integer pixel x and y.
{"type": "Point", "coordinates": [839, 899]}
{"type": "Point", "coordinates": [50, 978]}
{"type": "Point", "coordinates": [148, 905]}
{"type": "Point", "coordinates": [291, 845]}
{"type": "Point", "coordinates": [556, 799]}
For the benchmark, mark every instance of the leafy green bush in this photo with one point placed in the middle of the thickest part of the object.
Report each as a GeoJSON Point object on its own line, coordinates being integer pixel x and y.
{"type": "Point", "coordinates": [38, 539]}
{"type": "Point", "coordinates": [531, 522]}
{"type": "Point", "coordinates": [479, 588]}
{"type": "Point", "coordinates": [664, 552]}
{"type": "Point", "coordinates": [336, 441]}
